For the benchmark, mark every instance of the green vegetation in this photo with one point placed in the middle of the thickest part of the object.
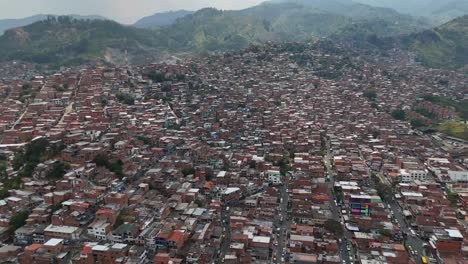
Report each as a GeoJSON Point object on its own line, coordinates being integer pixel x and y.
{"type": "Point", "coordinates": [3, 170]}
{"type": "Point", "coordinates": [114, 166]}
{"type": "Point", "coordinates": [17, 221]}
{"type": "Point", "coordinates": [371, 94]}
{"type": "Point", "coordinates": [123, 217]}
{"type": "Point", "coordinates": [399, 114]}
{"type": "Point", "coordinates": [385, 232]}
{"type": "Point", "coordinates": [460, 107]}
{"type": "Point", "coordinates": [442, 47]}
{"type": "Point", "coordinates": [454, 129]}
{"type": "Point", "coordinates": [425, 113]}
{"type": "Point", "coordinates": [199, 203]}
{"type": "Point", "coordinates": [382, 189]}
{"type": "Point", "coordinates": [56, 207]}
{"type": "Point", "coordinates": [188, 171]}
{"type": "Point", "coordinates": [453, 199]}
{"type": "Point", "coordinates": [68, 41]}
{"type": "Point", "coordinates": [208, 176]}
{"type": "Point", "coordinates": [27, 158]}
{"type": "Point", "coordinates": [157, 77]}
{"type": "Point", "coordinates": [125, 98]}
{"type": "Point", "coordinates": [284, 166]}
{"type": "Point", "coordinates": [334, 226]}
{"type": "Point", "coordinates": [58, 170]}
{"type": "Point", "coordinates": [252, 164]}
{"type": "Point", "coordinates": [416, 123]}
{"type": "Point", "coordinates": [145, 140]}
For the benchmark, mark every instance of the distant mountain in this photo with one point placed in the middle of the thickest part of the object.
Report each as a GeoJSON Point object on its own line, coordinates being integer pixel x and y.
{"type": "Point", "coordinates": [67, 41]}
{"type": "Point", "coordinates": [438, 11]}
{"type": "Point", "coordinates": [161, 19]}
{"type": "Point", "coordinates": [442, 47]}
{"type": "Point", "coordinates": [349, 8]}
{"type": "Point", "coordinates": [211, 29]}
{"type": "Point", "coordinates": [6, 24]}
{"type": "Point", "coordinates": [64, 40]}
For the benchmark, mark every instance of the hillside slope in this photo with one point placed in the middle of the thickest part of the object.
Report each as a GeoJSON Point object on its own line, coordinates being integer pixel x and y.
{"type": "Point", "coordinates": [6, 24]}
{"type": "Point", "coordinates": [438, 11]}
{"type": "Point", "coordinates": [161, 19]}
{"type": "Point", "coordinates": [63, 40]}
{"type": "Point", "coordinates": [443, 47]}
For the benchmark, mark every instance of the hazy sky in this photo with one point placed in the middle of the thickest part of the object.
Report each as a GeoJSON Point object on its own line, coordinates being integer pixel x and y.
{"type": "Point", "coordinates": [124, 11]}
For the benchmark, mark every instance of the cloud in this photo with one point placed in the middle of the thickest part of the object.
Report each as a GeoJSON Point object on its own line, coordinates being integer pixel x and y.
{"type": "Point", "coordinates": [125, 11]}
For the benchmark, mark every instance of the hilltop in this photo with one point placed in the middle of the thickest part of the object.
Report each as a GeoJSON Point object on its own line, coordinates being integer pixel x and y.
{"type": "Point", "coordinates": [437, 11]}
{"type": "Point", "coordinates": [64, 40]}
{"type": "Point", "coordinates": [6, 24]}
{"type": "Point", "coordinates": [442, 47]}
{"type": "Point", "coordinates": [161, 19]}
{"type": "Point", "coordinates": [211, 29]}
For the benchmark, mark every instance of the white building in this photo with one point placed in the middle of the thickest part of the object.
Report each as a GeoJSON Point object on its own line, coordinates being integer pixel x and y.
{"type": "Point", "coordinates": [274, 177]}
{"type": "Point", "coordinates": [447, 171]}
{"type": "Point", "coordinates": [99, 229]}
{"type": "Point", "coordinates": [412, 175]}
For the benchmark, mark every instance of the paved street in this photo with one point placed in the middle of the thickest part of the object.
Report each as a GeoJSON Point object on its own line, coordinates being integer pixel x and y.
{"type": "Point", "coordinates": [347, 236]}
{"type": "Point", "coordinates": [415, 242]}
{"type": "Point", "coordinates": [284, 224]}
{"type": "Point", "coordinates": [226, 236]}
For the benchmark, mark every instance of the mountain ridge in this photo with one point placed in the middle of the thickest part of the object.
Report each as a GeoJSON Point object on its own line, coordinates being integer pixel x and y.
{"type": "Point", "coordinates": [11, 23]}
{"type": "Point", "coordinates": [161, 19]}
{"type": "Point", "coordinates": [67, 40]}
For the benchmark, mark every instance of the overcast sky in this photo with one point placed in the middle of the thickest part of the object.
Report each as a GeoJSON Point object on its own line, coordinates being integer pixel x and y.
{"type": "Point", "coordinates": [124, 11]}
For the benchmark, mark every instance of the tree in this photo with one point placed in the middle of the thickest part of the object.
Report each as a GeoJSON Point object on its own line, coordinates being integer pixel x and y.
{"type": "Point", "coordinates": [145, 140]}
{"type": "Point", "coordinates": [57, 172]}
{"type": "Point", "coordinates": [26, 86]}
{"type": "Point", "coordinates": [18, 159]}
{"type": "Point", "coordinates": [416, 122]}
{"type": "Point", "coordinates": [252, 164]}
{"type": "Point", "coordinates": [119, 220]}
{"type": "Point", "coordinates": [399, 114]}
{"type": "Point", "coordinates": [114, 166]}
{"type": "Point", "coordinates": [56, 207]}
{"type": "Point", "coordinates": [3, 170]}
{"type": "Point", "coordinates": [371, 94]}
{"type": "Point", "coordinates": [157, 77]}
{"type": "Point", "coordinates": [188, 171]}
{"type": "Point", "coordinates": [334, 226]}
{"type": "Point", "coordinates": [453, 198]}
{"type": "Point", "coordinates": [125, 98]}
{"type": "Point", "coordinates": [199, 203]}
{"type": "Point", "coordinates": [27, 158]}
{"type": "Point", "coordinates": [385, 232]}
{"type": "Point", "coordinates": [101, 160]}
{"type": "Point", "coordinates": [208, 176]}
{"type": "Point", "coordinates": [18, 221]}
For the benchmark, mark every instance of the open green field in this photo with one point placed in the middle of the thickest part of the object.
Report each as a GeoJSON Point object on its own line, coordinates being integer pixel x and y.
{"type": "Point", "coordinates": [454, 129]}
